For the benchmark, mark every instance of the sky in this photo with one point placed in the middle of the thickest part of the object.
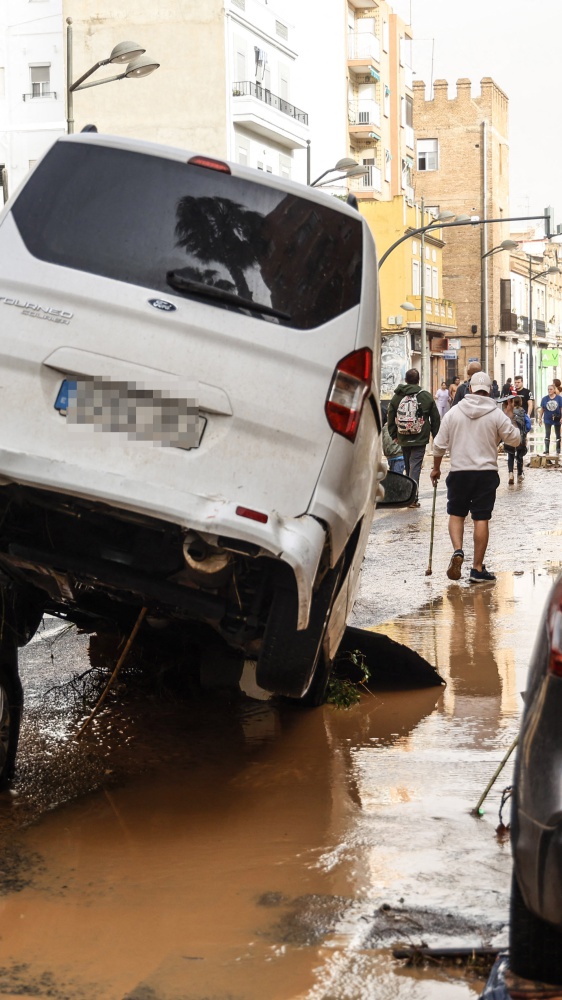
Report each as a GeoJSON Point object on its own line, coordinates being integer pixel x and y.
{"type": "Point", "coordinates": [516, 43]}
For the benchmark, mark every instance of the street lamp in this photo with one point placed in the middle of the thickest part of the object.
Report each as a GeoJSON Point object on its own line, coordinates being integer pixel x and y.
{"type": "Point", "coordinates": [533, 277]}
{"type": "Point", "coordinates": [350, 168]}
{"type": "Point", "coordinates": [134, 55]}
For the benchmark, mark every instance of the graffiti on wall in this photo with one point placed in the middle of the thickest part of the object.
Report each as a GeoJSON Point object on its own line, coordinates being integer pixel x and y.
{"type": "Point", "coordinates": [395, 360]}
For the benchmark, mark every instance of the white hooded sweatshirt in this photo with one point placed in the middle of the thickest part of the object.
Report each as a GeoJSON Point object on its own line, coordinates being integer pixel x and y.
{"type": "Point", "coordinates": [471, 432]}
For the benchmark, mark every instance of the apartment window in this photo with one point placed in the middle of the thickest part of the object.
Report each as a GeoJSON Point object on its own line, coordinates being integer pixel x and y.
{"type": "Point", "coordinates": [1, 82]}
{"type": "Point", "coordinates": [406, 173]}
{"type": "Point", "coordinates": [386, 101]}
{"type": "Point", "coordinates": [385, 36]}
{"type": "Point", "coordinates": [241, 4]}
{"type": "Point", "coordinates": [281, 30]}
{"type": "Point", "coordinates": [284, 165]}
{"type": "Point", "coordinates": [40, 80]}
{"type": "Point", "coordinates": [243, 152]}
{"type": "Point", "coordinates": [428, 279]}
{"type": "Point", "coordinates": [387, 165]}
{"type": "Point", "coordinates": [415, 247]}
{"type": "Point", "coordinates": [415, 277]}
{"type": "Point", "coordinates": [428, 154]}
{"type": "Point", "coordinates": [284, 83]}
{"type": "Point", "coordinates": [435, 282]}
{"type": "Point", "coordinates": [240, 61]}
{"type": "Point", "coordinates": [409, 111]}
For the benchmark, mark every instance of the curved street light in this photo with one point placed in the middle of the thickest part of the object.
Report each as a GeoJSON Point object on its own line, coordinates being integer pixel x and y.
{"type": "Point", "coordinates": [131, 53]}
{"type": "Point", "coordinates": [350, 168]}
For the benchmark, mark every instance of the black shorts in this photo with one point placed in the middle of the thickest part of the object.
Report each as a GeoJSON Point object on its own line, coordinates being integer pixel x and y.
{"type": "Point", "coordinates": [472, 491]}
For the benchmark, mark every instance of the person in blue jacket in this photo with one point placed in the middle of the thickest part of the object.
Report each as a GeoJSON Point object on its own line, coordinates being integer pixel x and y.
{"type": "Point", "coordinates": [550, 411]}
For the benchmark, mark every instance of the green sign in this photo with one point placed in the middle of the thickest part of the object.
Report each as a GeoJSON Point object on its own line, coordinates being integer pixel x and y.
{"type": "Point", "coordinates": [549, 357]}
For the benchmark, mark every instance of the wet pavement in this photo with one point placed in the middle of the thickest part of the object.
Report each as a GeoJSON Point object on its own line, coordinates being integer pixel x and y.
{"type": "Point", "coordinates": [218, 848]}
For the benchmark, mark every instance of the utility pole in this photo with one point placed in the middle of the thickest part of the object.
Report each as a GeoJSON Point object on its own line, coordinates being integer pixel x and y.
{"type": "Point", "coordinates": [425, 375]}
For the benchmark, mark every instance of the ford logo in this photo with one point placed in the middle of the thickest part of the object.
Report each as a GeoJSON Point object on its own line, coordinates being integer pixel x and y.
{"type": "Point", "coordinates": [162, 304]}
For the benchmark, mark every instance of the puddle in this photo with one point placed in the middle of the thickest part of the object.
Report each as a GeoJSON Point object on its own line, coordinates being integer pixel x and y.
{"type": "Point", "coordinates": [236, 850]}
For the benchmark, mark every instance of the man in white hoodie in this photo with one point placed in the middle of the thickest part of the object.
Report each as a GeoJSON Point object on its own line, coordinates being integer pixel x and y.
{"type": "Point", "coordinates": [471, 432]}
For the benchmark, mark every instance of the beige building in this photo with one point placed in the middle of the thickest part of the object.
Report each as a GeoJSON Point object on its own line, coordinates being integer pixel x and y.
{"type": "Point", "coordinates": [228, 84]}
{"type": "Point", "coordinates": [380, 99]}
{"type": "Point", "coordinates": [462, 165]}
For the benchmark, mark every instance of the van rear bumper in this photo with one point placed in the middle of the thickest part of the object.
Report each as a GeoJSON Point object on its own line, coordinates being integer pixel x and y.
{"type": "Point", "coordinates": [297, 541]}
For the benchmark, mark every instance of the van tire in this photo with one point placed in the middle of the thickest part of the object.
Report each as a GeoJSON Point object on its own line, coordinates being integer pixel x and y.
{"type": "Point", "coordinates": [11, 704]}
{"type": "Point", "coordinates": [21, 611]}
{"type": "Point", "coordinates": [535, 946]}
{"type": "Point", "coordinates": [289, 658]}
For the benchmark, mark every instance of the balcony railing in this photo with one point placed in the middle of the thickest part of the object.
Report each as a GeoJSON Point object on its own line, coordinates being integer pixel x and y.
{"type": "Point", "coordinates": [245, 88]}
{"type": "Point", "coordinates": [39, 97]}
{"type": "Point", "coordinates": [441, 311]}
{"type": "Point", "coordinates": [364, 113]}
{"type": "Point", "coordinates": [363, 45]}
{"type": "Point", "coordinates": [508, 322]}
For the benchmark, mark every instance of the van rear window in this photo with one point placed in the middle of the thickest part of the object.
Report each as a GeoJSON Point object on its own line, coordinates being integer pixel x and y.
{"type": "Point", "coordinates": [141, 218]}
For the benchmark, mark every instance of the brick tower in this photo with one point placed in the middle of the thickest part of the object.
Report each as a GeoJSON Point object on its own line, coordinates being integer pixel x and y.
{"type": "Point", "coordinates": [462, 165]}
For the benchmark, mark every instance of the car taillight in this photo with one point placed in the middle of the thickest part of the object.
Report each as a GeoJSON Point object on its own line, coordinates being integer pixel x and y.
{"type": "Point", "coordinates": [555, 634]}
{"type": "Point", "coordinates": [350, 386]}
{"type": "Point", "coordinates": [210, 163]}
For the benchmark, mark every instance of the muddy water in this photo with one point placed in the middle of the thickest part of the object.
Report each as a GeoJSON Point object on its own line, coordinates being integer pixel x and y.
{"type": "Point", "coordinates": [233, 850]}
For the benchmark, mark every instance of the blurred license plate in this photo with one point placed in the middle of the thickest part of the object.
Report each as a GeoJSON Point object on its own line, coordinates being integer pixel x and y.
{"type": "Point", "coordinates": [138, 412]}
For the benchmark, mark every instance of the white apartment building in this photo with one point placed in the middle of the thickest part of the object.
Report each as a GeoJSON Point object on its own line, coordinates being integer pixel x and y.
{"type": "Point", "coordinates": [228, 84]}
{"type": "Point", "coordinates": [32, 99]}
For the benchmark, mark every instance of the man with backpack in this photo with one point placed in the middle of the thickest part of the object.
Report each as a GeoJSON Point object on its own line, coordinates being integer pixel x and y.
{"type": "Point", "coordinates": [412, 417]}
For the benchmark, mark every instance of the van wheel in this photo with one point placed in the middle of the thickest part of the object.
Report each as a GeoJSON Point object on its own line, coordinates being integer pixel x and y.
{"type": "Point", "coordinates": [289, 659]}
{"type": "Point", "coordinates": [535, 950]}
{"type": "Point", "coordinates": [11, 703]}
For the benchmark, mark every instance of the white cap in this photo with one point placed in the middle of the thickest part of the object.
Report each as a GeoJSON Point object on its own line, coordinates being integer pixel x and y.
{"type": "Point", "coordinates": [480, 382]}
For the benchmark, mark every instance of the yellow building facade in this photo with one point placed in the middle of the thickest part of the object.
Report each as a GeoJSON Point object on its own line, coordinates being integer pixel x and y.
{"type": "Point", "coordinates": [400, 282]}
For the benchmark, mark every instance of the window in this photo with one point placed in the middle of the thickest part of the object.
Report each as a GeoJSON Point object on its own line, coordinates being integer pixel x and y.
{"type": "Point", "coordinates": [414, 247]}
{"type": "Point", "coordinates": [385, 36]}
{"type": "Point", "coordinates": [409, 111]}
{"type": "Point", "coordinates": [284, 165]}
{"type": "Point", "coordinates": [1, 82]}
{"type": "Point", "coordinates": [240, 61]}
{"type": "Point", "coordinates": [386, 101]}
{"type": "Point", "coordinates": [40, 80]}
{"type": "Point", "coordinates": [435, 283]}
{"type": "Point", "coordinates": [288, 249]}
{"type": "Point", "coordinates": [284, 83]}
{"type": "Point", "coordinates": [415, 277]}
{"type": "Point", "coordinates": [387, 165]}
{"type": "Point", "coordinates": [243, 152]}
{"type": "Point", "coordinates": [406, 173]}
{"type": "Point", "coordinates": [281, 30]}
{"type": "Point", "coordinates": [428, 279]}
{"type": "Point", "coordinates": [428, 154]}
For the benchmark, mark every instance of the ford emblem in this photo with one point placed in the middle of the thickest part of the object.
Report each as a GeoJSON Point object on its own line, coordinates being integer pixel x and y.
{"type": "Point", "coordinates": [162, 304]}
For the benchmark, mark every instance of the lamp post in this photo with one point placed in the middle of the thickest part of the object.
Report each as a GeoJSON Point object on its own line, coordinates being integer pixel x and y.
{"type": "Point", "coordinates": [349, 168]}
{"type": "Point", "coordinates": [134, 55]}
{"type": "Point", "coordinates": [533, 277]}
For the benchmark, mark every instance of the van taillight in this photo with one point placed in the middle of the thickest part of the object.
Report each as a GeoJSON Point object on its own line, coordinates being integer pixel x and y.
{"type": "Point", "coordinates": [555, 635]}
{"type": "Point", "coordinates": [350, 386]}
{"type": "Point", "coordinates": [210, 163]}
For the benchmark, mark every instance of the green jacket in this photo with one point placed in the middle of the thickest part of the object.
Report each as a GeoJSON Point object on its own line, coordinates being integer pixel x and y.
{"type": "Point", "coordinates": [429, 410]}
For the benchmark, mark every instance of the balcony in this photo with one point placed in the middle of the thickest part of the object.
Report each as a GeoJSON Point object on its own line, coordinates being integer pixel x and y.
{"type": "Point", "coordinates": [363, 116]}
{"type": "Point", "coordinates": [508, 322]}
{"type": "Point", "coordinates": [52, 94]}
{"type": "Point", "coordinates": [440, 314]}
{"type": "Point", "coordinates": [363, 49]}
{"type": "Point", "coordinates": [268, 115]}
{"type": "Point", "coordinates": [372, 181]}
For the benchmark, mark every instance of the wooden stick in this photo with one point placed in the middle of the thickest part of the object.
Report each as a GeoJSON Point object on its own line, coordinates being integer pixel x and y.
{"type": "Point", "coordinates": [118, 666]}
{"type": "Point", "coordinates": [477, 808]}
{"type": "Point", "coordinates": [428, 570]}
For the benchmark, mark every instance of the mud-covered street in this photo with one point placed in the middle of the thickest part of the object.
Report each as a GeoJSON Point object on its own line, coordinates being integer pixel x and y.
{"type": "Point", "coordinates": [214, 846]}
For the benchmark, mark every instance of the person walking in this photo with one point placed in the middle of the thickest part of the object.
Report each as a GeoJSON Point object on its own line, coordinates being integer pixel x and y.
{"type": "Point", "coordinates": [549, 413]}
{"type": "Point", "coordinates": [517, 454]}
{"type": "Point", "coordinates": [495, 393]}
{"type": "Point", "coordinates": [527, 398]}
{"type": "Point", "coordinates": [442, 399]}
{"type": "Point", "coordinates": [471, 433]}
{"type": "Point", "coordinates": [508, 388]}
{"type": "Point", "coordinates": [462, 390]}
{"type": "Point", "coordinates": [412, 416]}
{"type": "Point", "coordinates": [452, 392]}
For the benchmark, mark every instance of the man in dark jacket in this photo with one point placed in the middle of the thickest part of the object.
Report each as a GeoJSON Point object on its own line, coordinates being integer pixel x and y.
{"type": "Point", "coordinates": [462, 390]}
{"type": "Point", "coordinates": [426, 420]}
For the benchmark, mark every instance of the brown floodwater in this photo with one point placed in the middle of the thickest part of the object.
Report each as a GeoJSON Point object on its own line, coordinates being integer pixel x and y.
{"type": "Point", "coordinates": [219, 848]}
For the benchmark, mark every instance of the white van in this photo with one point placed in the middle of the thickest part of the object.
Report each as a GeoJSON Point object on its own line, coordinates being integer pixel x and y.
{"type": "Point", "coordinates": [190, 417]}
